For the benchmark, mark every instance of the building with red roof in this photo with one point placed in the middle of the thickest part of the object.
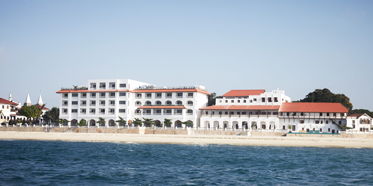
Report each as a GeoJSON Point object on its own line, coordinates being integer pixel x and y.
{"type": "Point", "coordinates": [360, 122]}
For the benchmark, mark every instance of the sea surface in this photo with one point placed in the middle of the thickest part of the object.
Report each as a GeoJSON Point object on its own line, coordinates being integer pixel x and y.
{"type": "Point", "coordinates": [90, 163]}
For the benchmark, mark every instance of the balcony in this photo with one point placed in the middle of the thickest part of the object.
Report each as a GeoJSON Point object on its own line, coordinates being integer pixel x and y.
{"type": "Point", "coordinates": [147, 113]}
{"type": "Point", "coordinates": [92, 113]}
{"type": "Point", "coordinates": [93, 96]}
{"type": "Point", "coordinates": [83, 104]}
{"type": "Point", "coordinates": [178, 113]}
{"type": "Point", "coordinates": [92, 104]}
{"type": "Point", "coordinates": [167, 113]}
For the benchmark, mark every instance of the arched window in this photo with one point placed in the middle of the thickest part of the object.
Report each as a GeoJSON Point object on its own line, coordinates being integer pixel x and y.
{"type": "Point", "coordinates": [179, 103]}
{"type": "Point", "coordinates": [158, 103]}
{"type": "Point", "coordinates": [138, 103]}
{"type": "Point", "coordinates": [263, 124]}
{"type": "Point", "coordinates": [148, 103]}
{"type": "Point", "coordinates": [168, 103]}
{"type": "Point", "coordinates": [190, 103]}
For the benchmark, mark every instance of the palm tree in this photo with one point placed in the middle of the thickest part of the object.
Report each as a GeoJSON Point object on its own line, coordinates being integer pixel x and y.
{"type": "Point", "coordinates": [121, 120]}
{"type": "Point", "coordinates": [167, 122]}
{"type": "Point", "coordinates": [148, 122]}
{"type": "Point", "coordinates": [137, 122]}
{"type": "Point", "coordinates": [101, 121]}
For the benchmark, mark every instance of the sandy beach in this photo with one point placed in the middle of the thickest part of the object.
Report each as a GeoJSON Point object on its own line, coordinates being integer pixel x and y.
{"type": "Point", "coordinates": [197, 139]}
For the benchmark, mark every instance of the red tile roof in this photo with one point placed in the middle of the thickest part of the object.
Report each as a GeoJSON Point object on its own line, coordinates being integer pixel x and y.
{"type": "Point", "coordinates": [162, 107]}
{"type": "Point", "coordinates": [4, 101]}
{"type": "Point", "coordinates": [357, 115]}
{"type": "Point", "coordinates": [78, 91]}
{"type": "Point", "coordinates": [313, 107]}
{"type": "Point", "coordinates": [243, 93]}
{"type": "Point", "coordinates": [242, 107]}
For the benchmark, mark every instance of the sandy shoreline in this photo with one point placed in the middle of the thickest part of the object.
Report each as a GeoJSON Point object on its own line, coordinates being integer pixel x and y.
{"type": "Point", "coordinates": [196, 139]}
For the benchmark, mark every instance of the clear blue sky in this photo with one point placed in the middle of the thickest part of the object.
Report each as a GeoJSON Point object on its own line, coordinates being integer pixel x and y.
{"type": "Point", "coordinates": [297, 46]}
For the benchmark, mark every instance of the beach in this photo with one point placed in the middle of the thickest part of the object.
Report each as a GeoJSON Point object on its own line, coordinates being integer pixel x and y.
{"type": "Point", "coordinates": [194, 139]}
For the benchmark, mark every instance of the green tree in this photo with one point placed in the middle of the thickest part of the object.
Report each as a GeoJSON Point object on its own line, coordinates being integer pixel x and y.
{"type": "Point", "coordinates": [82, 122]}
{"type": "Point", "coordinates": [121, 120]}
{"type": "Point", "coordinates": [325, 95]}
{"type": "Point", "coordinates": [62, 121]}
{"type": "Point", "coordinates": [212, 99]}
{"type": "Point", "coordinates": [101, 121]}
{"type": "Point", "coordinates": [52, 115]}
{"type": "Point", "coordinates": [137, 122]}
{"type": "Point", "coordinates": [32, 111]}
{"type": "Point", "coordinates": [167, 122]}
{"type": "Point", "coordinates": [148, 122]}
{"type": "Point", "coordinates": [188, 123]}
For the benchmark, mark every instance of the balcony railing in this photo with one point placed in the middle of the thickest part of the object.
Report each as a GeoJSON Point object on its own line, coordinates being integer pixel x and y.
{"type": "Point", "coordinates": [166, 113]}
{"type": "Point", "coordinates": [92, 104]}
{"type": "Point", "coordinates": [83, 104]}
{"type": "Point", "coordinates": [157, 113]}
{"type": "Point", "coordinates": [137, 113]}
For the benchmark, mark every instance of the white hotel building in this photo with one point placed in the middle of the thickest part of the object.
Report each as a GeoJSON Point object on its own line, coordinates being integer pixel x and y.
{"type": "Point", "coordinates": [130, 99]}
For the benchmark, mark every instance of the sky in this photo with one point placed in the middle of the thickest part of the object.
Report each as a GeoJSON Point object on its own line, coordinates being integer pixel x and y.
{"type": "Point", "coordinates": [296, 46]}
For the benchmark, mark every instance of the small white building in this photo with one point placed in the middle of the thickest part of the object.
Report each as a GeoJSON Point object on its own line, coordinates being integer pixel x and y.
{"type": "Point", "coordinates": [130, 99]}
{"type": "Point", "coordinates": [6, 109]}
{"type": "Point", "coordinates": [255, 109]}
{"type": "Point", "coordinates": [359, 122]}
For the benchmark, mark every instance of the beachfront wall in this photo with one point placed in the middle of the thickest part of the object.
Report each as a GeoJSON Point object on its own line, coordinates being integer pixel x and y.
{"type": "Point", "coordinates": [359, 122]}
{"type": "Point", "coordinates": [129, 99]}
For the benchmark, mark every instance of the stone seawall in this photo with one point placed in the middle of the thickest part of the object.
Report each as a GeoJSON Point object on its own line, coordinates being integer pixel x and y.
{"type": "Point", "coordinates": [343, 135]}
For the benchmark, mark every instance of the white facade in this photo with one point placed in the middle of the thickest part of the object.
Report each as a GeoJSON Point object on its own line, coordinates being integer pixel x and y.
{"type": "Point", "coordinates": [129, 99]}
{"type": "Point", "coordinates": [359, 122]}
{"type": "Point", "coordinates": [245, 109]}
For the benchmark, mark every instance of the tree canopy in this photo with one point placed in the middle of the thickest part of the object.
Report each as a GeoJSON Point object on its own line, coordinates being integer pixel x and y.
{"type": "Point", "coordinates": [148, 122]}
{"type": "Point", "coordinates": [212, 99]}
{"type": "Point", "coordinates": [137, 122]}
{"type": "Point", "coordinates": [32, 111]}
{"type": "Point", "coordinates": [121, 120]}
{"type": "Point", "coordinates": [52, 114]}
{"type": "Point", "coordinates": [325, 95]}
{"type": "Point", "coordinates": [167, 122]}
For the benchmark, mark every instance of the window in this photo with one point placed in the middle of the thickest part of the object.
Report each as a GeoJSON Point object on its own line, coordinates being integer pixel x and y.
{"type": "Point", "coordinates": [93, 85]}
{"type": "Point", "coordinates": [64, 103]}
{"type": "Point", "coordinates": [93, 95]}
{"type": "Point", "coordinates": [327, 122]}
{"type": "Point", "coordinates": [111, 111]}
{"type": "Point", "coordinates": [320, 114]}
{"type": "Point", "coordinates": [353, 125]}
{"type": "Point", "coordinates": [190, 95]}
{"type": "Point", "coordinates": [238, 101]}
{"type": "Point", "coordinates": [320, 129]}
{"type": "Point", "coordinates": [301, 113]}
{"type": "Point", "coordinates": [74, 110]}
{"type": "Point", "coordinates": [138, 95]}
{"type": "Point", "coordinates": [276, 99]}
{"type": "Point", "coordinates": [102, 103]}
{"type": "Point", "coordinates": [251, 101]}
{"type": "Point", "coordinates": [328, 129]}
{"type": "Point", "coordinates": [206, 112]}
{"type": "Point", "coordinates": [342, 114]}
{"type": "Point", "coordinates": [74, 103]}
{"type": "Point", "coordinates": [148, 103]}
{"type": "Point", "coordinates": [179, 111]}
{"type": "Point", "coordinates": [122, 110]}
{"type": "Point", "coordinates": [168, 103]}
{"type": "Point", "coordinates": [263, 99]}
{"type": "Point", "coordinates": [353, 121]}
{"type": "Point", "coordinates": [334, 114]}
{"type": "Point", "coordinates": [122, 102]}
{"type": "Point", "coordinates": [190, 103]}
{"type": "Point", "coordinates": [322, 121]}
{"type": "Point", "coordinates": [83, 111]}
{"type": "Point", "coordinates": [158, 103]}
{"type": "Point", "coordinates": [112, 103]}
{"type": "Point", "coordinates": [102, 95]}
{"type": "Point", "coordinates": [179, 95]}
{"type": "Point", "coordinates": [301, 121]}
{"type": "Point", "coordinates": [288, 113]}
{"type": "Point", "coordinates": [74, 95]}
{"type": "Point", "coordinates": [244, 101]}
{"type": "Point", "coordinates": [138, 103]}
{"type": "Point", "coordinates": [179, 103]}
{"type": "Point", "coordinates": [123, 85]}
{"type": "Point", "coordinates": [269, 99]}
{"type": "Point", "coordinates": [112, 94]}
{"type": "Point", "coordinates": [83, 95]}
{"type": "Point", "coordinates": [168, 111]}
{"type": "Point", "coordinates": [102, 111]}
{"type": "Point", "coordinates": [226, 101]}
{"type": "Point", "coordinates": [92, 111]}
{"type": "Point", "coordinates": [158, 111]}
{"type": "Point", "coordinates": [64, 111]}
{"type": "Point", "coordinates": [340, 122]}
{"type": "Point", "coordinates": [327, 114]}
{"type": "Point", "coordinates": [254, 99]}
{"type": "Point", "coordinates": [317, 121]}
{"type": "Point", "coordinates": [159, 95]}
{"type": "Point", "coordinates": [102, 85]}
{"type": "Point", "coordinates": [169, 95]}
{"type": "Point", "coordinates": [112, 85]}
{"type": "Point", "coordinates": [189, 111]}
{"type": "Point", "coordinates": [148, 95]}
{"type": "Point", "coordinates": [243, 113]}
{"type": "Point", "coordinates": [93, 103]}
{"type": "Point", "coordinates": [275, 113]}
{"type": "Point", "coordinates": [122, 94]}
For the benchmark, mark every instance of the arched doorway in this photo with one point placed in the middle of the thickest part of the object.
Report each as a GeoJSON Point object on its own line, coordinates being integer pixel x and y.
{"type": "Point", "coordinates": [111, 123]}
{"type": "Point", "coordinates": [244, 125]}
{"type": "Point", "coordinates": [129, 122]}
{"type": "Point", "coordinates": [74, 122]}
{"type": "Point", "coordinates": [178, 123]}
{"type": "Point", "coordinates": [235, 125]}
{"type": "Point", "coordinates": [92, 123]}
{"type": "Point", "coordinates": [65, 123]}
{"type": "Point", "coordinates": [157, 123]}
{"type": "Point", "coordinates": [225, 124]}
{"type": "Point", "coordinates": [254, 125]}
{"type": "Point", "coordinates": [263, 124]}
{"type": "Point", "coordinates": [216, 124]}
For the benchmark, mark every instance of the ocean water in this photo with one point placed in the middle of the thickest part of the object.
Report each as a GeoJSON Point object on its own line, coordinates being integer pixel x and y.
{"type": "Point", "coordinates": [88, 163]}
